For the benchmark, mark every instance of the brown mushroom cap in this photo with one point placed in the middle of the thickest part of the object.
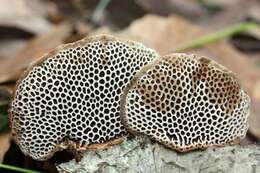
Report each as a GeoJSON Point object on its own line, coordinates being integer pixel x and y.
{"type": "Point", "coordinates": [186, 102]}
{"type": "Point", "coordinates": [73, 94]}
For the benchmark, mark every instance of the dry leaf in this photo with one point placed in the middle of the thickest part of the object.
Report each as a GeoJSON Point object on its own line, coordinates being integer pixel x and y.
{"type": "Point", "coordinates": [233, 11]}
{"type": "Point", "coordinates": [20, 20]}
{"type": "Point", "coordinates": [9, 48]}
{"type": "Point", "coordinates": [26, 14]}
{"type": "Point", "coordinates": [187, 8]}
{"type": "Point", "coordinates": [11, 68]}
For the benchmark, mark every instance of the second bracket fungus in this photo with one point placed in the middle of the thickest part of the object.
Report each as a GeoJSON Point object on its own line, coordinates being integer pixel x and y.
{"type": "Point", "coordinates": [71, 96]}
{"type": "Point", "coordinates": [186, 102]}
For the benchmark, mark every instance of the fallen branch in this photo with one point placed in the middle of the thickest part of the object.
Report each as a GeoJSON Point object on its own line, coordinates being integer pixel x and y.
{"type": "Point", "coordinates": [142, 155]}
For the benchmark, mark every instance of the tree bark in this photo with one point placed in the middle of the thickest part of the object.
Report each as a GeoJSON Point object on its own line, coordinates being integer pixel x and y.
{"type": "Point", "coordinates": [141, 155]}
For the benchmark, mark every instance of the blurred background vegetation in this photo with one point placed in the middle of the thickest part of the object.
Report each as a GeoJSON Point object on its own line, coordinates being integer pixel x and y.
{"type": "Point", "coordinates": [226, 30]}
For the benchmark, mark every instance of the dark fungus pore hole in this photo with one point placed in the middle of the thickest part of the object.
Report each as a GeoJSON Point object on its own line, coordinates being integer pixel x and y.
{"type": "Point", "coordinates": [186, 102]}
{"type": "Point", "coordinates": [71, 96]}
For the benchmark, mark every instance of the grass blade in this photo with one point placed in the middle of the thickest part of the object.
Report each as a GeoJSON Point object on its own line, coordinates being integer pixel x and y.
{"type": "Point", "coordinates": [14, 168]}
{"type": "Point", "coordinates": [218, 35]}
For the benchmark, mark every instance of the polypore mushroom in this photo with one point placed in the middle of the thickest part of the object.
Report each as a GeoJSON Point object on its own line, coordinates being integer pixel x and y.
{"type": "Point", "coordinates": [186, 102]}
{"type": "Point", "coordinates": [71, 96]}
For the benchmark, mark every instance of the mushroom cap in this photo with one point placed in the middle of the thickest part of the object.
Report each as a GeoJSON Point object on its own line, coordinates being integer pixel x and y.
{"type": "Point", "coordinates": [72, 95]}
{"type": "Point", "coordinates": [186, 102]}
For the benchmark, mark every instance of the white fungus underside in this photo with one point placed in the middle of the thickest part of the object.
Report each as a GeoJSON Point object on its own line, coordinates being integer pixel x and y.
{"type": "Point", "coordinates": [186, 105]}
{"type": "Point", "coordinates": [74, 94]}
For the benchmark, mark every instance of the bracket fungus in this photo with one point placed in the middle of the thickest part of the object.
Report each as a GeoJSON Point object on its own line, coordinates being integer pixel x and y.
{"type": "Point", "coordinates": [71, 96]}
{"type": "Point", "coordinates": [186, 102]}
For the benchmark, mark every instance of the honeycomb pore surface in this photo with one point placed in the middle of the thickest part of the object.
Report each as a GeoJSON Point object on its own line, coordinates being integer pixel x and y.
{"type": "Point", "coordinates": [186, 102]}
{"type": "Point", "coordinates": [74, 93]}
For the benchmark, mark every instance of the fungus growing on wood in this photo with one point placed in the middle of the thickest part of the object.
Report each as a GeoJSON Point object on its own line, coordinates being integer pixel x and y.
{"type": "Point", "coordinates": [71, 96]}
{"type": "Point", "coordinates": [186, 102]}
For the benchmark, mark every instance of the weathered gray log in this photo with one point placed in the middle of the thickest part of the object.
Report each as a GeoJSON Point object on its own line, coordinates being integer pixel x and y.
{"type": "Point", "coordinates": [140, 155]}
